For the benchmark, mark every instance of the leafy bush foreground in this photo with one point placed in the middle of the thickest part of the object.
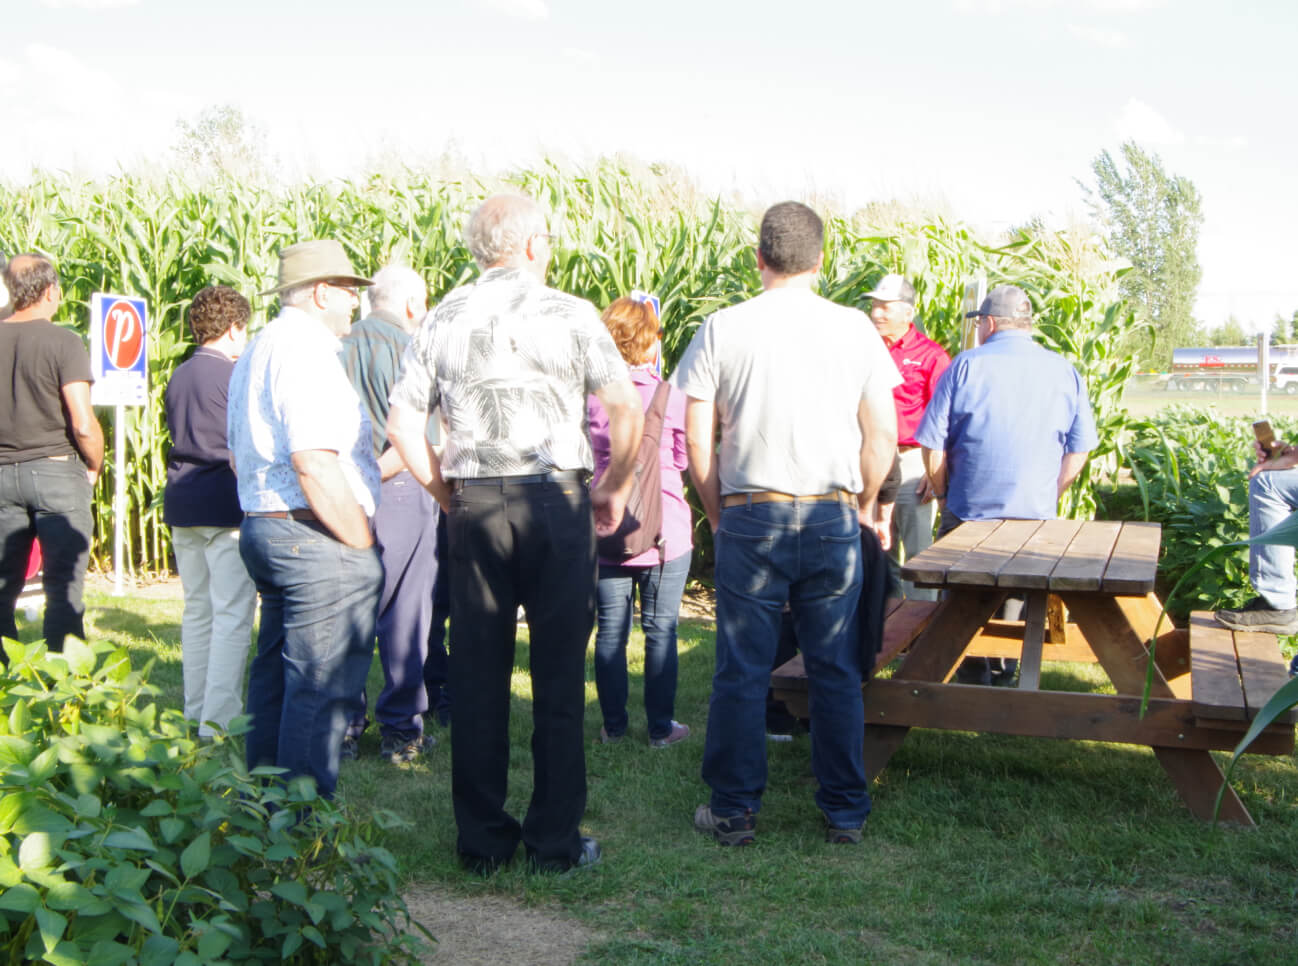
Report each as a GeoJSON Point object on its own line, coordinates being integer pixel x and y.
{"type": "Point", "coordinates": [124, 840]}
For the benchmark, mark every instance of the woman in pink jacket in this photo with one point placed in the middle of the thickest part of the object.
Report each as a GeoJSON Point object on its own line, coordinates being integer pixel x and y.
{"type": "Point", "coordinates": [659, 573]}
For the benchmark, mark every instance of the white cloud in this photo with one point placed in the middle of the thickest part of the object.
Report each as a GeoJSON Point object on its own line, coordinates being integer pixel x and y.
{"type": "Point", "coordinates": [1141, 123]}
{"type": "Point", "coordinates": [523, 9]}
{"type": "Point", "coordinates": [996, 7]}
{"type": "Point", "coordinates": [88, 4]}
{"type": "Point", "coordinates": [581, 57]}
{"type": "Point", "coordinates": [1232, 142]}
{"type": "Point", "coordinates": [1111, 39]}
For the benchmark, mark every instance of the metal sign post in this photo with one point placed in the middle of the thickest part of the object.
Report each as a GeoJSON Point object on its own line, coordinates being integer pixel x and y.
{"type": "Point", "coordinates": [119, 328]}
{"type": "Point", "coordinates": [1263, 367]}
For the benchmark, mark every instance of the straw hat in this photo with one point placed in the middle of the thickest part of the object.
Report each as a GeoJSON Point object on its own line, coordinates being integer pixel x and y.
{"type": "Point", "coordinates": [315, 261]}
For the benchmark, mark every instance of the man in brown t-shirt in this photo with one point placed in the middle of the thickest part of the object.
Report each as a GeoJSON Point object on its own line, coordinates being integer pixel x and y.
{"type": "Point", "coordinates": [50, 454]}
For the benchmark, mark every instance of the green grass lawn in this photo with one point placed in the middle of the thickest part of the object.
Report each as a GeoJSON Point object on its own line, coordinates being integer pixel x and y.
{"type": "Point", "coordinates": [1143, 401]}
{"type": "Point", "coordinates": [981, 849]}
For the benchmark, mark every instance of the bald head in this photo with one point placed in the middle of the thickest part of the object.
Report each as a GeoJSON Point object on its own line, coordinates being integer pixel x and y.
{"type": "Point", "coordinates": [502, 229]}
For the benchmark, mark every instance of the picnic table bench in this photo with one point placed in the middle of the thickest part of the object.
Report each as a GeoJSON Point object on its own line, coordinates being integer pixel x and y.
{"type": "Point", "coordinates": [1208, 682]}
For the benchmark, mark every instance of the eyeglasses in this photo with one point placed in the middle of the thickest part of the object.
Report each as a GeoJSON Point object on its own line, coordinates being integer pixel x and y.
{"type": "Point", "coordinates": [351, 290]}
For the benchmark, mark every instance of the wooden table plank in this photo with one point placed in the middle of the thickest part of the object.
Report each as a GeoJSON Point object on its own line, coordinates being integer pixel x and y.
{"type": "Point", "coordinates": [1005, 639]}
{"type": "Point", "coordinates": [1034, 634]}
{"type": "Point", "coordinates": [1031, 567]}
{"type": "Point", "coordinates": [1168, 722]}
{"type": "Point", "coordinates": [981, 564]}
{"type": "Point", "coordinates": [1084, 562]}
{"type": "Point", "coordinates": [1120, 650]}
{"type": "Point", "coordinates": [1134, 561]}
{"type": "Point", "coordinates": [904, 625]}
{"type": "Point", "coordinates": [1262, 671]}
{"type": "Point", "coordinates": [929, 567]}
{"type": "Point", "coordinates": [1214, 670]}
{"type": "Point", "coordinates": [937, 650]}
{"type": "Point", "coordinates": [1198, 778]}
{"type": "Point", "coordinates": [1172, 650]}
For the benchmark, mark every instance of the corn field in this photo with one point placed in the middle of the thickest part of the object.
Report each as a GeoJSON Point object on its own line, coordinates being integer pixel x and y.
{"type": "Point", "coordinates": [164, 239]}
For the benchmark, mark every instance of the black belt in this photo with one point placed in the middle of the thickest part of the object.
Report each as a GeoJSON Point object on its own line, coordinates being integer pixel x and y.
{"type": "Point", "coordinates": [305, 515]}
{"type": "Point", "coordinates": [554, 476]}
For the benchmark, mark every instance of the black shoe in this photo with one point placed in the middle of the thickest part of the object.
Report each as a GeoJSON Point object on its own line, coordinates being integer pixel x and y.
{"type": "Point", "coordinates": [1004, 676]}
{"type": "Point", "coordinates": [351, 750]}
{"type": "Point", "coordinates": [973, 670]}
{"type": "Point", "coordinates": [1258, 615]}
{"type": "Point", "coordinates": [400, 750]}
{"type": "Point", "coordinates": [481, 865]}
{"type": "Point", "coordinates": [590, 854]}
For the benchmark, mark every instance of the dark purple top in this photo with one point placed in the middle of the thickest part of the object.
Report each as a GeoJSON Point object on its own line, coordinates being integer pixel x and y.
{"type": "Point", "coordinates": [201, 488]}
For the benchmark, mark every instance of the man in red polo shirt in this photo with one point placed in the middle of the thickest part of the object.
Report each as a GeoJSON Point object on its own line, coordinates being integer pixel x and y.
{"type": "Point", "coordinates": [920, 361]}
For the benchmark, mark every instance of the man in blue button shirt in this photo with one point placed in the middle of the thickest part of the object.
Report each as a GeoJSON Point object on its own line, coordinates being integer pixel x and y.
{"type": "Point", "coordinates": [1008, 428]}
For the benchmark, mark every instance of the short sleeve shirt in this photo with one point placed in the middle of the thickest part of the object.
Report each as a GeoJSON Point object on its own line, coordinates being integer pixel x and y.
{"type": "Point", "coordinates": [37, 359]}
{"type": "Point", "coordinates": [921, 362]}
{"type": "Point", "coordinates": [510, 362]}
{"type": "Point", "coordinates": [1006, 413]}
{"type": "Point", "coordinates": [201, 487]}
{"type": "Point", "coordinates": [289, 393]}
{"type": "Point", "coordinates": [787, 371]}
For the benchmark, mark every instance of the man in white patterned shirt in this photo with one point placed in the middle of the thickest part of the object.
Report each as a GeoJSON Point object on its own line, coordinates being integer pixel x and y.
{"type": "Point", "coordinates": [511, 363]}
{"type": "Point", "coordinates": [308, 485]}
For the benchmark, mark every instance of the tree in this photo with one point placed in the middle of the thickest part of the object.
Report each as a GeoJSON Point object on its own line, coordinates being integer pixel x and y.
{"type": "Point", "coordinates": [1284, 331]}
{"type": "Point", "coordinates": [1230, 332]}
{"type": "Point", "coordinates": [1151, 219]}
{"type": "Point", "coordinates": [221, 141]}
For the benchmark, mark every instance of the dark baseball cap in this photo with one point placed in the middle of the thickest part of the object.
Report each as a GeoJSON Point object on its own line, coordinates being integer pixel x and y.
{"type": "Point", "coordinates": [1004, 302]}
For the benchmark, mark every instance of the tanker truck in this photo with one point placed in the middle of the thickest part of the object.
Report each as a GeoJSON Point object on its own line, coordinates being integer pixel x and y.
{"type": "Point", "coordinates": [1230, 369]}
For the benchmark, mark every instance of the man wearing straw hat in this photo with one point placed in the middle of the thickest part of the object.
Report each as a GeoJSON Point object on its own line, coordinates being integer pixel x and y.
{"type": "Point", "coordinates": [308, 485]}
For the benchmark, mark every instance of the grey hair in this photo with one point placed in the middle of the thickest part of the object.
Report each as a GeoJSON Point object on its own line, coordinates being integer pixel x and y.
{"type": "Point", "coordinates": [394, 285]}
{"type": "Point", "coordinates": [500, 228]}
{"type": "Point", "coordinates": [297, 294]}
{"type": "Point", "coordinates": [1017, 322]}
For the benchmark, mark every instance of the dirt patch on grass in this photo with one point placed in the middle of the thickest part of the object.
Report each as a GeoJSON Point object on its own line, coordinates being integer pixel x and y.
{"type": "Point", "coordinates": [699, 603]}
{"type": "Point", "coordinates": [489, 930]}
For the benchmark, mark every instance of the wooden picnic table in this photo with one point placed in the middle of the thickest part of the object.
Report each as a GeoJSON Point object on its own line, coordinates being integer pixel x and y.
{"type": "Point", "coordinates": [1103, 572]}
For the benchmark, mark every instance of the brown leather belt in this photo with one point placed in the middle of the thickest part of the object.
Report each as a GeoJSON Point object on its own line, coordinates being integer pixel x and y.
{"type": "Point", "coordinates": [771, 496]}
{"type": "Point", "coordinates": [907, 447]}
{"type": "Point", "coordinates": [302, 514]}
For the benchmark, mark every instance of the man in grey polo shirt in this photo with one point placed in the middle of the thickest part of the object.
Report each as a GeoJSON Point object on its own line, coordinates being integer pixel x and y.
{"type": "Point", "coordinates": [802, 390]}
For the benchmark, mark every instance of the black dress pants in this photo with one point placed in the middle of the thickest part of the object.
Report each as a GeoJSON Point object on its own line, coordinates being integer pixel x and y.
{"type": "Point", "coordinates": [531, 544]}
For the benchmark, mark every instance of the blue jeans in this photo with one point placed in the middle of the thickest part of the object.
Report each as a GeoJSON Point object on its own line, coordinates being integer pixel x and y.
{"type": "Point", "coordinates": [46, 499]}
{"type": "Point", "coordinates": [319, 601]}
{"type": "Point", "coordinates": [808, 553]}
{"type": "Point", "coordinates": [1272, 496]}
{"type": "Point", "coordinates": [660, 604]}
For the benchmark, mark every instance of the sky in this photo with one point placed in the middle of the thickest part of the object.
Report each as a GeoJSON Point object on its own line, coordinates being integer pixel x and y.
{"type": "Point", "coordinates": [991, 109]}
